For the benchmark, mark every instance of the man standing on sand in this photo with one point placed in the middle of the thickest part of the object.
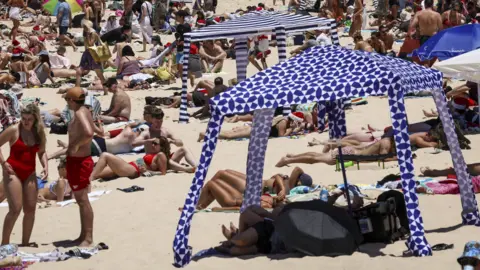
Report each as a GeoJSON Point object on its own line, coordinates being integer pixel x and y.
{"type": "Point", "coordinates": [428, 21]}
{"type": "Point", "coordinates": [120, 105]}
{"type": "Point", "coordinates": [79, 161]}
{"type": "Point", "coordinates": [64, 21]}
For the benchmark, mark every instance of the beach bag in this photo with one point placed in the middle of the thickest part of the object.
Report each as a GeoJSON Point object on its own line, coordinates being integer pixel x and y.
{"type": "Point", "coordinates": [162, 73]}
{"type": "Point", "coordinates": [379, 222]}
{"type": "Point", "coordinates": [59, 128]}
{"type": "Point", "coordinates": [438, 133]}
{"type": "Point", "coordinates": [194, 63]}
{"type": "Point", "coordinates": [100, 53]}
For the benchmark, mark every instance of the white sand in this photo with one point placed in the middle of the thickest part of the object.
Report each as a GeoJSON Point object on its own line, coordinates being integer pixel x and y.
{"type": "Point", "coordinates": [139, 227]}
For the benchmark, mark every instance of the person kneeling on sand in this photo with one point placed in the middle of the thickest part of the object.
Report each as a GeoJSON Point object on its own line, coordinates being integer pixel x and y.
{"type": "Point", "coordinates": [120, 105]}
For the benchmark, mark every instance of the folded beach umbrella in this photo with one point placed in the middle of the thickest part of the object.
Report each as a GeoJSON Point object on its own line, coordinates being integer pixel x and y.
{"type": "Point", "coordinates": [316, 228]}
{"type": "Point", "coordinates": [450, 43]}
{"type": "Point", "coordinates": [52, 6]}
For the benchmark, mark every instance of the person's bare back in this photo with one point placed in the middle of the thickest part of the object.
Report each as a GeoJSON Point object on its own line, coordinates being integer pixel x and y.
{"type": "Point", "coordinates": [124, 103]}
{"type": "Point", "coordinates": [429, 22]}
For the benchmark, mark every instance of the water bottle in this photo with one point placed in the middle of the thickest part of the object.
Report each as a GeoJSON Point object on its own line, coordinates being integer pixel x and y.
{"type": "Point", "coordinates": [8, 250]}
{"type": "Point", "coordinates": [324, 195]}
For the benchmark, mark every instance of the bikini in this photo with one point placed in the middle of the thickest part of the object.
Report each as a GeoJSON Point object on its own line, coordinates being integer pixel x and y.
{"type": "Point", "coordinates": [142, 163]}
{"type": "Point", "coordinates": [52, 187]}
{"type": "Point", "coordinates": [22, 158]}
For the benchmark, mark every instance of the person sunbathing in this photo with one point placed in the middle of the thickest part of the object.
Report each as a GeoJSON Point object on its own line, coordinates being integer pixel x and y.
{"type": "Point", "coordinates": [228, 186]}
{"type": "Point", "coordinates": [110, 166]}
{"type": "Point", "coordinates": [473, 169]}
{"type": "Point", "coordinates": [120, 105]}
{"type": "Point", "coordinates": [281, 126]}
{"type": "Point", "coordinates": [212, 56]}
{"type": "Point", "coordinates": [59, 190]}
{"type": "Point", "coordinates": [123, 143]}
{"type": "Point", "coordinates": [329, 156]}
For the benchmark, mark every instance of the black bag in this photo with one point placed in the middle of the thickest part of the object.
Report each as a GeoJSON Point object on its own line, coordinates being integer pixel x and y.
{"type": "Point", "coordinates": [59, 128]}
{"type": "Point", "coordinates": [379, 222]}
{"type": "Point", "coordinates": [316, 6]}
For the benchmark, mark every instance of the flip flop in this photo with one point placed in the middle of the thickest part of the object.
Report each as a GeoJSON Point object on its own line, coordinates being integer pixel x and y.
{"type": "Point", "coordinates": [442, 246]}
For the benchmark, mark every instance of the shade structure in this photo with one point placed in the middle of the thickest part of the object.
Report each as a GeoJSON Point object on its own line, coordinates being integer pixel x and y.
{"type": "Point", "coordinates": [328, 73]}
{"type": "Point", "coordinates": [52, 6]}
{"type": "Point", "coordinates": [465, 66]}
{"type": "Point", "coordinates": [252, 24]}
{"type": "Point", "coordinates": [450, 43]}
{"type": "Point", "coordinates": [316, 228]}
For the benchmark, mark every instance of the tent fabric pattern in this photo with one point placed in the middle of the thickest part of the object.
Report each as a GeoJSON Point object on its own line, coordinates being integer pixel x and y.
{"type": "Point", "coordinates": [326, 74]}
{"type": "Point", "coordinates": [250, 25]}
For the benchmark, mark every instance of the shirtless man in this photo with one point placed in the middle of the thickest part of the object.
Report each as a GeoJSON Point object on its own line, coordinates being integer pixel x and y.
{"type": "Point", "coordinates": [376, 43]}
{"type": "Point", "coordinates": [79, 161]}
{"type": "Point", "coordinates": [386, 37]}
{"type": "Point", "coordinates": [156, 130]}
{"type": "Point", "coordinates": [120, 105]}
{"type": "Point", "coordinates": [212, 56]}
{"type": "Point", "coordinates": [360, 44]}
{"type": "Point", "coordinates": [428, 21]}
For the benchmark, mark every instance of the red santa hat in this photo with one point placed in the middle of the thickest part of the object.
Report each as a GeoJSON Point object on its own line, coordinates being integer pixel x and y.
{"type": "Point", "coordinates": [217, 19]}
{"type": "Point", "coordinates": [15, 42]}
{"type": "Point", "coordinates": [201, 22]}
{"type": "Point", "coordinates": [41, 38]}
{"type": "Point", "coordinates": [36, 28]}
{"type": "Point", "coordinates": [460, 103]}
{"type": "Point", "coordinates": [259, 8]}
{"type": "Point", "coordinates": [296, 116]}
{"type": "Point", "coordinates": [16, 52]}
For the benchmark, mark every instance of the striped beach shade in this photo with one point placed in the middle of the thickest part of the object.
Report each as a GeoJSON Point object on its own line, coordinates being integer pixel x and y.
{"type": "Point", "coordinates": [329, 73]}
{"type": "Point", "coordinates": [252, 24]}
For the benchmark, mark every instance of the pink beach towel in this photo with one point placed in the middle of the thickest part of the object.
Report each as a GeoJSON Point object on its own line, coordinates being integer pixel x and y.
{"type": "Point", "coordinates": [450, 186]}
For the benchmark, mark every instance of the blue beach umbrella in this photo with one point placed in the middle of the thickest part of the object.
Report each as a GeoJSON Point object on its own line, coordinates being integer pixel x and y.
{"type": "Point", "coordinates": [450, 43]}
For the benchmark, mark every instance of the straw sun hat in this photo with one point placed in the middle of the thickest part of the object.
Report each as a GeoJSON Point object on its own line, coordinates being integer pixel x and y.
{"type": "Point", "coordinates": [88, 24]}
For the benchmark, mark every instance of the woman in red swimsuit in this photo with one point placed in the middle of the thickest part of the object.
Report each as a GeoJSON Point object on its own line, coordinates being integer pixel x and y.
{"type": "Point", "coordinates": [109, 165]}
{"type": "Point", "coordinates": [26, 140]}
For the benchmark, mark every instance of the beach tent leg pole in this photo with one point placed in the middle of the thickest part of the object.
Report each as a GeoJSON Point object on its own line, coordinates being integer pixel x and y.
{"type": "Point", "coordinates": [281, 38]}
{"type": "Point", "coordinates": [262, 123]}
{"type": "Point", "coordinates": [470, 214]}
{"type": "Point", "coordinates": [417, 242]}
{"type": "Point", "coordinates": [183, 118]}
{"type": "Point", "coordinates": [182, 252]}
{"type": "Point", "coordinates": [336, 119]}
{"type": "Point", "coordinates": [322, 111]}
{"type": "Point", "coordinates": [478, 103]}
{"type": "Point", "coordinates": [241, 55]}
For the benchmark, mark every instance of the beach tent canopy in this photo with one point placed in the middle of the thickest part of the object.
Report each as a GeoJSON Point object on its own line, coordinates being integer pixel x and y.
{"type": "Point", "coordinates": [328, 73]}
{"type": "Point", "coordinates": [252, 24]}
{"type": "Point", "coordinates": [465, 66]}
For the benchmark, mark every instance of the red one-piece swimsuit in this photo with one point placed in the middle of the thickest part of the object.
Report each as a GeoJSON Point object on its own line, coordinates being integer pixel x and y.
{"type": "Point", "coordinates": [22, 158]}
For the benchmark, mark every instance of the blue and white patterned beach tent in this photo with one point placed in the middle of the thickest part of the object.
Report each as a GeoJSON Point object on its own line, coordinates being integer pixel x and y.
{"type": "Point", "coordinates": [328, 73]}
{"type": "Point", "coordinates": [248, 25]}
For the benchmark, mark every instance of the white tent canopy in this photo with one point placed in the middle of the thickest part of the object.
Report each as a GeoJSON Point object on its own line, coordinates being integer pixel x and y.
{"type": "Point", "coordinates": [465, 66]}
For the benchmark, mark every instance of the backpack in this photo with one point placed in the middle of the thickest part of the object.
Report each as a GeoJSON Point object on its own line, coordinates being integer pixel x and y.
{"type": "Point", "coordinates": [59, 128]}
{"type": "Point", "coordinates": [384, 221]}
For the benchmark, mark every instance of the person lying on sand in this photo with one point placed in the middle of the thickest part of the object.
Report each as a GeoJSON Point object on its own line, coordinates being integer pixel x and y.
{"type": "Point", "coordinates": [123, 143]}
{"type": "Point", "coordinates": [227, 188]}
{"type": "Point", "coordinates": [473, 169]}
{"type": "Point", "coordinates": [329, 155]}
{"type": "Point", "coordinates": [58, 190]}
{"type": "Point", "coordinates": [120, 105]}
{"type": "Point", "coordinates": [281, 126]}
{"type": "Point", "coordinates": [136, 124]}
{"type": "Point", "coordinates": [109, 166]}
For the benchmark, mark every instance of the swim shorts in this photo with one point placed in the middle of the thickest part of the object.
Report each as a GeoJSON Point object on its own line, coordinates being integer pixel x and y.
{"type": "Point", "coordinates": [62, 30]}
{"type": "Point", "coordinates": [98, 146]}
{"type": "Point", "coordinates": [79, 170]}
{"type": "Point", "coordinates": [424, 39]}
{"type": "Point", "coordinates": [179, 58]}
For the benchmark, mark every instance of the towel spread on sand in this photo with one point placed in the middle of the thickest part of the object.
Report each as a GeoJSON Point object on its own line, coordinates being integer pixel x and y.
{"type": "Point", "coordinates": [93, 196]}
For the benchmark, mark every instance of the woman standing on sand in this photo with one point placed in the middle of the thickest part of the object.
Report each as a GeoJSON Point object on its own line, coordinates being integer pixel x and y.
{"type": "Point", "coordinates": [357, 19]}
{"type": "Point", "coordinates": [26, 140]}
{"type": "Point", "coordinates": [146, 24]}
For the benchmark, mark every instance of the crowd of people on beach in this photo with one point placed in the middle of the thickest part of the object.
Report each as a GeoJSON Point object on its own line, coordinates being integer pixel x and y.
{"type": "Point", "coordinates": [30, 63]}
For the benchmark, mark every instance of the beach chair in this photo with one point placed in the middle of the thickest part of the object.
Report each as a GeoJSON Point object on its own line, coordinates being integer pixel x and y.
{"type": "Point", "coordinates": [361, 158]}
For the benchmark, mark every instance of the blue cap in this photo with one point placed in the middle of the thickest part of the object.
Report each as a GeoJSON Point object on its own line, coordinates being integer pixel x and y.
{"type": "Point", "coordinates": [470, 251]}
{"type": "Point", "coordinates": [305, 180]}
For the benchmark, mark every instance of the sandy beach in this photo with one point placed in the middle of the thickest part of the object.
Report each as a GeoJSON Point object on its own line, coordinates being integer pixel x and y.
{"type": "Point", "coordinates": [139, 227]}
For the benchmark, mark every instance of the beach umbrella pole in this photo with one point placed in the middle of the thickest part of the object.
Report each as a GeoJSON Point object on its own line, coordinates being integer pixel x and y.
{"type": "Point", "coordinates": [344, 173]}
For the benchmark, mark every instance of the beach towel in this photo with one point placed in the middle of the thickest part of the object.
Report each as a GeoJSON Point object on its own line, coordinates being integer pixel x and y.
{"type": "Point", "coordinates": [92, 196]}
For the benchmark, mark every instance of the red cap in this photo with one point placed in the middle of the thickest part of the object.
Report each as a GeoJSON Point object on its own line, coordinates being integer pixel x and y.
{"type": "Point", "coordinates": [168, 45]}
{"type": "Point", "coordinates": [217, 19]}
{"type": "Point", "coordinates": [15, 42]}
{"type": "Point", "coordinates": [36, 28]}
{"type": "Point", "coordinates": [201, 22]}
{"type": "Point", "coordinates": [41, 38]}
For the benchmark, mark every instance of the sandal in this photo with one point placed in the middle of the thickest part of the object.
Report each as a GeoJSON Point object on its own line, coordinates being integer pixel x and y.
{"type": "Point", "coordinates": [442, 246]}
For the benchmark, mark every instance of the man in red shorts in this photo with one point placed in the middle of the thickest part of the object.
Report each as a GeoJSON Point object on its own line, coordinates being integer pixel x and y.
{"type": "Point", "coordinates": [79, 160]}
